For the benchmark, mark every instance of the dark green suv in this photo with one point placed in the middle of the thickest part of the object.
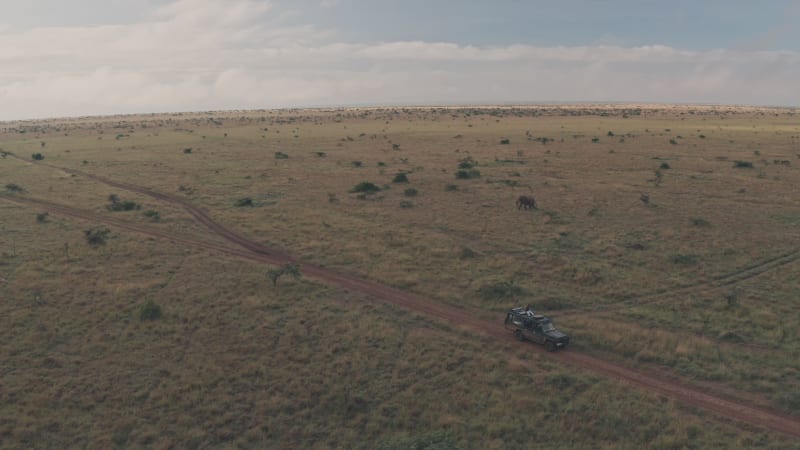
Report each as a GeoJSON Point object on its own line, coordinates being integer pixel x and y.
{"type": "Point", "coordinates": [529, 326]}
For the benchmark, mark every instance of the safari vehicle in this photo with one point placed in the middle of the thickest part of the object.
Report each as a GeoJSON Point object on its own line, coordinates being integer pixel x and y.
{"type": "Point", "coordinates": [529, 326]}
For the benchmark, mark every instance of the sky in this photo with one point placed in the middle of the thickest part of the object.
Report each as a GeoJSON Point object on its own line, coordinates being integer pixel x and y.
{"type": "Point", "coordinates": [97, 57]}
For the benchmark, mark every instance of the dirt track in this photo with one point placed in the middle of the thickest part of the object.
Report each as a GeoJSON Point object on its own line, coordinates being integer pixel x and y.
{"type": "Point", "coordinates": [251, 250]}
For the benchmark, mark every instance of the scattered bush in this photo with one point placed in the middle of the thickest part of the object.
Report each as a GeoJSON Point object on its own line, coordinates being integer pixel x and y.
{"type": "Point", "coordinates": [290, 269]}
{"type": "Point", "coordinates": [281, 155]}
{"type": "Point", "coordinates": [187, 150]}
{"type": "Point", "coordinates": [468, 174]}
{"type": "Point", "coordinates": [11, 187]}
{"type": "Point", "coordinates": [664, 166]}
{"type": "Point", "coordinates": [684, 259]}
{"type": "Point", "coordinates": [406, 204]}
{"type": "Point", "coordinates": [155, 216]}
{"type": "Point", "coordinates": [467, 163]}
{"type": "Point", "coordinates": [743, 164]}
{"type": "Point", "coordinates": [400, 178]}
{"type": "Point", "coordinates": [451, 187]}
{"type": "Point", "coordinates": [119, 205]}
{"type": "Point", "coordinates": [365, 187]}
{"type": "Point", "coordinates": [595, 140]}
{"type": "Point", "coordinates": [673, 142]}
{"type": "Point", "coordinates": [37, 156]}
{"type": "Point", "coordinates": [41, 217]}
{"type": "Point", "coordinates": [610, 134]}
{"type": "Point", "coordinates": [467, 253]}
{"type": "Point", "coordinates": [410, 192]}
{"type": "Point", "coordinates": [150, 310]}
{"type": "Point", "coordinates": [699, 222]}
{"type": "Point", "coordinates": [246, 201]}
{"type": "Point", "coordinates": [97, 236]}
{"type": "Point", "coordinates": [505, 141]}
{"type": "Point", "coordinates": [501, 290]}
{"type": "Point", "coordinates": [357, 164]}
{"type": "Point", "coordinates": [321, 154]}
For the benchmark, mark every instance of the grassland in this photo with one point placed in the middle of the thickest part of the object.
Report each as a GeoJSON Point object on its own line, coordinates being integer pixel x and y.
{"type": "Point", "coordinates": [682, 280]}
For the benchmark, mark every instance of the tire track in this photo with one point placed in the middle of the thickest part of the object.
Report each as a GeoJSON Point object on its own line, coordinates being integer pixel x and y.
{"type": "Point", "coordinates": [457, 317]}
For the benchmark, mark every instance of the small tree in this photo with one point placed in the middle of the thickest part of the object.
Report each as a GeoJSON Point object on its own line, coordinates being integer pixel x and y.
{"type": "Point", "coordinates": [97, 236]}
{"type": "Point", "coordinates": [290, 269]}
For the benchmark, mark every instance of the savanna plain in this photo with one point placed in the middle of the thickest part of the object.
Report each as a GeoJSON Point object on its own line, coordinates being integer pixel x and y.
{"type": "Point", "coordinates": [666, 240]}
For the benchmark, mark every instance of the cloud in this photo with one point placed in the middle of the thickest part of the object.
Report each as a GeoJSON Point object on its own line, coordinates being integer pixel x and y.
{"type": "Point", "coordinates": [205, 54]}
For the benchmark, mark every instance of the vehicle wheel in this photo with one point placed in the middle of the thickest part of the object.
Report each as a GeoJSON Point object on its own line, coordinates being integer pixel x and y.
{"type": "Point", "coordinates": [519, 335]}
{"type": "Point", "coordinates": [550, 346]}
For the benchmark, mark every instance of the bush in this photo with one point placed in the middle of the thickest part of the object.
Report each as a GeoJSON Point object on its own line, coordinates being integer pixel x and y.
{"type": "Point", "coordinates": [664, 166]}
{"type": "Point", "coordinates": [246, 201]}
{"type": "Point", "coordinates": [595, 140]}
{"type": "Point", "coordinates": [400, 178]}
{"type": "Point", "coordinates": [505, 141]}
{"type": "Point", "coordinates": [150, 310]}
{"type": "Point", "coordinates": [321, 154]}
{"type": "Point", "coordinates": [357, 164]}
{"type": "Point", "coordinates": [281, 155]}
{"type": "Point", "coordinates": [406, 204]}
{"type": "Point", "coordinates": [502, 290]}
{"type": "Point", "coordinates": [468, 174]}
{"type": "Point", "coordinates": [365, 187]}
{"type": "Point", "coordinates": [152, 215]}
{"type": "Point", "coordinates": [743, 164]}
{"type": "Point", "coordinates": [673, 142]}
{"type": "Point", "coordinates": [187, 150]}
{"type": "Point", "coordinates": [467, 253]}
{"type": "Point", "coordinates": [41, 217]}
{"type": "Point", "coordinates": [467, 163]}
{"type": "Point", "coordinates": [37, 156]}
{"type": "Point", "coordinates": [686, 260]}
{"type": "Point", "coordinates": [451, 187]}
{"type": "Point", "coordinates": [119, 205]}
{"type": "Point", "coordinates": [699, 222]}
{"type": "Point", "coordinates": [97, 236]}
{"type": "Point", "coordinates": [11, 187]}
{"type": "Point", "coordinates": [410, 192]}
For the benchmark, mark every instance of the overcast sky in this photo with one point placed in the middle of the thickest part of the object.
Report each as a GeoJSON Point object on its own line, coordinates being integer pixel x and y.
{"type": "Point", "coordinates": [87, 57]}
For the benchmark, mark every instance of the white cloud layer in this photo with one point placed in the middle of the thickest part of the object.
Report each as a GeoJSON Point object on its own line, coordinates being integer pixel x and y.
{"type": "Point", "coordinates": [205, 54]}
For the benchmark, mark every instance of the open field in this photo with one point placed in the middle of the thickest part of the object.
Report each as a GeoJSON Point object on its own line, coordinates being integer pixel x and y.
{"type": "Point", "coordinates": [697, 283]}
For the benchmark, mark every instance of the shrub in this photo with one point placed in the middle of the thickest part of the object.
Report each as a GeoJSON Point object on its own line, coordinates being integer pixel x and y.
{"type": "Point", "coordinates": [119, 205]}
{"type": "Point", "coordinates": [97, 236]}
{"type": "Point", "coordinates": [152, 215]}
{"type": "Point", "coordinates": [406, 204]}
{"type": "Point", "coordinates": [610, 134]}
{"type": "Point", "coordinates": [699, 222]}
{"type": "Point", "coordinates": [467, 163]}
{"type": "Point", "coordinates": [41, 217]}
{"type": "Point", "coordinates": [400, 178]}
{"type": "Point", "coordinates": [410, 192]}
{"type": "Point", "coordinates": [684, 259]}
{"type": "Point", "coordinates": [673, 142]}
{"type": "Point", "coordinates": [11, 187]}
{"type": "Point", "coordinates": [664, 166]}
{"type": "Point", "coordinates": [505, 141]}
{"type": "Point", "coordinates": [37, 156]}
{"type": "Point", "coordinates": [246, 201]}
{"type": "Point", "coordinates": [150, 310]}
{"type": "Point", "coordinates": [451, 187]}
{"type": "Point", "coordinates": [595, 140]}
{"type": "Point", "coordinates": [467, 253]}
{"type": "Point", "coordinates": [281, 155]}
{"type": "Point", "coordinates": [365, 187]}
{"type": "Point", "coordinates": [501, 290]}
{"type": "Point", "coordinates": [187, 150]}
{"type": "Point", "coordinates": [743, 164]}
{"type": "Point", "coordinates": [290, 269]}
{"type": "Point", "coordinates": [468, 174]}
{"type": "Point", "coordinates": [321, 154]}
{"type": "Point", "coordinates": [357, 164]}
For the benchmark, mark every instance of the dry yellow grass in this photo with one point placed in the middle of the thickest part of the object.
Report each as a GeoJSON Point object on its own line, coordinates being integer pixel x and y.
{"type": "Point", "coordinates": [235, 362]}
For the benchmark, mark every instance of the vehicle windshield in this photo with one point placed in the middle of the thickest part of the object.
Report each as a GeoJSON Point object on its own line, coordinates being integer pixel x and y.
{"type": "Point", "coordinates": [548, 326]}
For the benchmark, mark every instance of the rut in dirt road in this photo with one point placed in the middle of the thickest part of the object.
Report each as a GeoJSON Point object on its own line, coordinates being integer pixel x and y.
{"type": "Point", "coordinates": [458, 317]}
